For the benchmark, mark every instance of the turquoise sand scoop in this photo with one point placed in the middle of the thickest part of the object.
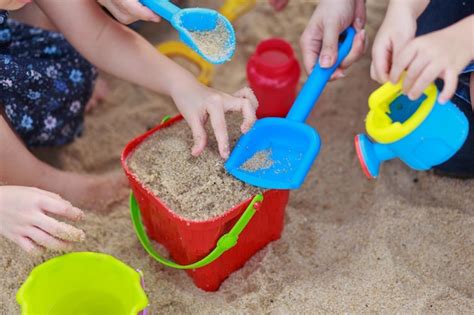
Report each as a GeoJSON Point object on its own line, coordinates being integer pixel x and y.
{"type": "Point", "coordinates": [290, 145]}
{"type": "Point", "coordinates": [206, 31]}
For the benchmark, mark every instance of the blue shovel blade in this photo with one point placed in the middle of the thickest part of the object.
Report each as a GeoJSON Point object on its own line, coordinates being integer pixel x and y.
{"type": "Point", "coordinates": [192, 20]}
{"type": "Point", "coordinates": [292, 147]}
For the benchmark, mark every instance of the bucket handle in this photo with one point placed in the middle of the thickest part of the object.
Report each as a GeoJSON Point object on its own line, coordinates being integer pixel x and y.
{"type": "Point", "coordinates": [225, 242]}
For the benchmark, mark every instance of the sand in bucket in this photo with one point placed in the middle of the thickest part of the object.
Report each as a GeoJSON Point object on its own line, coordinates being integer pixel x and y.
{"type": "Point", "coordinates": [196, 188]}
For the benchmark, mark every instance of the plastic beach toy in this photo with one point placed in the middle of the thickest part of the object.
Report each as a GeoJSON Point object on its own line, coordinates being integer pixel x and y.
{"type": "Point", "coordinates": [225, 242]}
{"type": "Point", "coordinates": [293, 144]}
{"type": "Point", "coordinates": [231, 9]}
{"type": "Point", "coordinates": [421, 133]}
{"type": "Point", "coordinates": [216, 247]}
{"type": "Point", "coordinates": [193, 23]}
{"type": "Point", "coordinates": [83, 283]}
{"type": "Point", "coordinates": [273, 73]}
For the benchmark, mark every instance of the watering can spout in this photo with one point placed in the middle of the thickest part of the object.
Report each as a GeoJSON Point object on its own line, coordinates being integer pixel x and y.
{"type": "Point", "coordinates": [371, 155]}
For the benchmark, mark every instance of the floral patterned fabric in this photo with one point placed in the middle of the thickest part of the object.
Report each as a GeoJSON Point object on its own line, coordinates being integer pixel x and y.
{"type": "Point", "coordinates": [44, 84]}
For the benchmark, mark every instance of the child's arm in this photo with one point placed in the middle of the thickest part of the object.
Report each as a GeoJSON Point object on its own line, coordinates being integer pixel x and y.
{"type": "Point", "coordinates": [25, 220]}
{"type": "Point", "coordinates": [117, 50]}
{"type": "Point", "coordinates": [397, 29]}
{"type": "Point", "coordinates": [442, 54]}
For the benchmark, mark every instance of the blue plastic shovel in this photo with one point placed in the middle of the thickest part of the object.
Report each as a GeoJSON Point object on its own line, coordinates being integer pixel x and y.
{"type": "Point", "coordinates": [292, 145]}
{"type": "Point", "coordinates": [193, 20]}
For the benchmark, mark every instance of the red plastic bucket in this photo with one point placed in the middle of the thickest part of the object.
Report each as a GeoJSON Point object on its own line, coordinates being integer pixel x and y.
{"type": "Point", "coordinates": [273, 74]}
{"type": "Point", "coordinates": [189, 241]}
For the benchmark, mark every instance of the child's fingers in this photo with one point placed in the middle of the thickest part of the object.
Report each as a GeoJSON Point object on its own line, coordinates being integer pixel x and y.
{"type": "Point", "coordinates": [310, 48]}
{"type": "Point", "coordinates": [358, 48]}
{"type": "Point", "coordinates": [118, 14]}
{"type": "Point", "coordinates": [29, 246]}
{"type": "Point", "coordinates": [217, 117]}
{"type": "Point", "coordinates": [44, 239]}
{"type": "Point", "coordinates": [372, 71]}
{"type": "Point", "coordinates": [60, 230]}
{"type": "Point", "coordinates": [136, 9]}
{"type": "Point", "coordinates": [414, 70]}
{"type": "Point", "coordinates": [247, 93]}
{"type": "Point", "coordinates": [248, 113]}
{"type": "Point", "coordinates": [61, 207]}
{"type": "Point", "coordinates": [450, 84]}
{"type": "Point", "coordinates": [128, 11]}
{"type": "Point", "coordinates": [381, 55]}
{"type": "Point", "coordinates": [360, 15]}
{"type": "Point", "coordinates": [328, 54]}
{"type": "Point", "coordinates": [429, 74]}
{"type": "Point", "coordinates": [338, 74]}
{"type": "Point", "coordinates": [401, 62]}
{"type": "Point", "coordinates": [248, 106]}
{"type": "Point", "coordinates": [199, 135]}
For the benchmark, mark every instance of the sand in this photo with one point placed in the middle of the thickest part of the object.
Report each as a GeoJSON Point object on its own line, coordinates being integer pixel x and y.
{"type": "Point", "coordinates": [213, 44]}
{"type": "Point", "coordinates": [403, 243]}
{"type": "Point", "coordinates": [261, 160]}
{"type": "Point", "coordinates": [197, 189]}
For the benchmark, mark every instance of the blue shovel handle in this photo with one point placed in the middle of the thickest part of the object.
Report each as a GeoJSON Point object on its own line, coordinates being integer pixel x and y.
{"type": "Point", "coordinates": [318, 79]}
{"type": "Point", "coordinates": [163, 8]}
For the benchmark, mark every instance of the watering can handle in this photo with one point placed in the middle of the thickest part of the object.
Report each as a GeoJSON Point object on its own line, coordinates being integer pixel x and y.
{"type": "Point", "coordinates": [225, 242]}
{"type": "Point", "coordinates": [163, 8]}
{"type": "Point", "coordinates": [318, 79]}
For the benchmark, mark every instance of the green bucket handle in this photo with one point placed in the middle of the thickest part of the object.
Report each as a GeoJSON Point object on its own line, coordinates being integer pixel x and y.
{"type": "Point", "coordinates": [225, 242]}
{"type": "Point", "coordinates": [165, 119]}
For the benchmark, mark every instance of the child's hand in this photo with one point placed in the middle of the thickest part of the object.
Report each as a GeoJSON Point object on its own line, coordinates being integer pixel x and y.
{"type": "Point", "coordinates": [278, 5]}
{"type": "Point", "coordinates": [24, 219]}
{"type": "Point", "coordinates": [398, 28]}
{"type": "Point", "coordinates": [197, 103]}
{"type": "Point", "coordinates": [129, 11]}
{"type": "Point", "coordinates": [321, 36]}
{"type": "Point", "coordinates": [442, 54]}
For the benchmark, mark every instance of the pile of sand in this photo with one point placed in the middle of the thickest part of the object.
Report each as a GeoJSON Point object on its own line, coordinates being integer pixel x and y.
{"type": "Point", "coordinates": [195, 188]}
{"type": "Point", "coordinates": [403, 243]}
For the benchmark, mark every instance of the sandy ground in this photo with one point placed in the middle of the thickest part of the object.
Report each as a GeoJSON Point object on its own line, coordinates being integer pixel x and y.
{"type": "Point", "coordinates": [403, 243]}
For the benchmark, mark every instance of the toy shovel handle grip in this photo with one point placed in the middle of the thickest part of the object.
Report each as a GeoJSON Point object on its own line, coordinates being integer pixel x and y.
{"type": "Point", "coordinates": [163, 8]}
{"type": "Point", "coordinates": [318, 79]}
{"type": "Point", "coordinates": [225, 242]}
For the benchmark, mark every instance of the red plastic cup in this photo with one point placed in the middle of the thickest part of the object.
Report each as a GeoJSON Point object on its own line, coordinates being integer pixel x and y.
{"type": "Point", "coordinates": [273, 74]}
{"type": "Point", "coordinates": [188, 241]}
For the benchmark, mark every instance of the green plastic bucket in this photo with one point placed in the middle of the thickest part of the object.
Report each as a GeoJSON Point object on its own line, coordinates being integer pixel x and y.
{"type": "Point", "coordinates": [83, 283]}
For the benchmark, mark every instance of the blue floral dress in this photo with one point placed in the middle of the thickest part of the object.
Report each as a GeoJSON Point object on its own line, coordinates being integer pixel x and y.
{"type": "Point", "coordinates": [44, 84]}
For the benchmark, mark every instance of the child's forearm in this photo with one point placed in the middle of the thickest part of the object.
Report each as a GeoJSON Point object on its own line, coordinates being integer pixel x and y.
{"type": "Point", "coordinates": [129, 56]}
{"type": "Point", "coordinates": [462, 31]}
{"type": "Point", "coordinates": [113, 47]}
{"type": "Point", "coordinates": [416, 7]}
